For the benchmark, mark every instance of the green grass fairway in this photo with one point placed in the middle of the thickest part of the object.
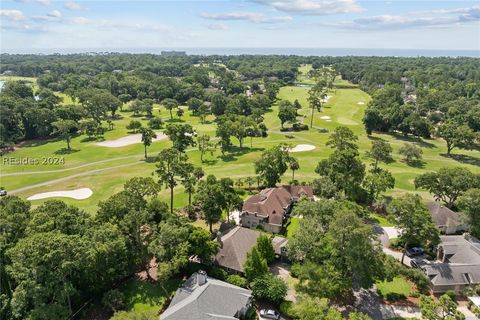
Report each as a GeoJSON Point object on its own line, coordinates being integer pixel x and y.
{"type": "Point", "coordinates": [105, 170]}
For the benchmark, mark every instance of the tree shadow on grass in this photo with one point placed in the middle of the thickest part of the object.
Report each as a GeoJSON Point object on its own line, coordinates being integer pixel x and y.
{"type": "Point", "coordinates": [90, 139]}
{"type": "Point", "coordinates": [235, 152]}
{"type": "Point", "coordinates": [66, 151]}
{"type": "Point", "coordinates": [34, 143]}
{"type": "Point", "coordinates": [209, 162]}
{"type": "Point", "coordinates": [175, 120]}
{"type": "Point", "coordinates": [420, 164]}
{"type": "Point", "coordinates": [416, 140]}
{"type": "Point", "coordinates": [463, 158]}
{"type": "Point", "coordinates": [151, 159]}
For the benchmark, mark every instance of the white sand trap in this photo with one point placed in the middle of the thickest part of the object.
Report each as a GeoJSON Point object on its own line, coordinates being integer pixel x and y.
{"type": "Point", "coordinates": [325, 100]}
{"type": "Point", "coordinates": [78, 194]}
{"type": "Point", "coordinates": [325, 117]}
{"type": "Point", "coordinates": [128, 140]}
{"type": "Point", "coordinates": [302, 147]}
{"type": "Point", "coordinates": [360, 103]}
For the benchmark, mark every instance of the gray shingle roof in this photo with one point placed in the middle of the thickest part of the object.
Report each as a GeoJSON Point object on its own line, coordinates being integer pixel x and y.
{"type": "Point", "coordinates": [443, 216]}
{"type": "Point", "coordinates": [212, 300]}
{"type": "Point", "coordinates": [461, 265]}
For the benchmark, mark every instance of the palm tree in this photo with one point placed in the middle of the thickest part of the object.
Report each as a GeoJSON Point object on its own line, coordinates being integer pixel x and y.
{"type": "Point", "coordinates": [294, 165]}
{"type": "Point", "coordinates": [147, 138]}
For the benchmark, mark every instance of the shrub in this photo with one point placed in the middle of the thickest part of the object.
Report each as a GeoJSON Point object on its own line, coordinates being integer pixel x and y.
{"type": "Point", "coordinates": [394, 296]}
{"type": "Point", "coordinates": [299, 127]}
{"type": "Point", "coordinates": [289, 136]}
{"type": "Point", "coordinates": [114, 299]}
{"type": "Point", "coordinates": [451, 294]}
{"type": "Point", "coordinates": [286, 308]}
{"type": "Point", "coordinates": [237, 280]}
{"type": "Point", "coordinates": [270, 288]}
{"type": "Point", "coordinates": [395, 243]}
{"type": "Point", "coordinates": [134, 125]}
{"type": "Point", "coordinates": [155, 123]}
{"type": "Point", "coordinates": [294, 270]}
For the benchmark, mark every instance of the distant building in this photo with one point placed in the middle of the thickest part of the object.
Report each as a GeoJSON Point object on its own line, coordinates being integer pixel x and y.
{"type": "Point", "coordinates": [205, 298]}
{"type": "Point", "coordinates": [269, 208]}
{"type": "Point", "coordinates": [236, 242]}
{"type": "Point", "coordinates": [458, 264]}
{"type": "Point", "coordinates": [446, 220]}
{"type": "Point", "coordinates": [173, 53]}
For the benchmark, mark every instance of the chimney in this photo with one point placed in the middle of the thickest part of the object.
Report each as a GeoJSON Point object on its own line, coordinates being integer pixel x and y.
{"type": "Point", "coordinates": [219, 239]}
{"type": "Point", "coordinates": [201, 277]}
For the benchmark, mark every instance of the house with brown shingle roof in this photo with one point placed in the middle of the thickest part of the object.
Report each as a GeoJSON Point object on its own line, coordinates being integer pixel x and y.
{"type": "Point", "coordinates": [236, 242]}
{"type": "Point", "coordinates": [446, 220]}
{"type": "Point", "coordinates": [269, 208]}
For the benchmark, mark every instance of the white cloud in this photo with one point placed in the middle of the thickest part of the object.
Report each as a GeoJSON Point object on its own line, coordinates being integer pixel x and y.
{"type": "Point", "coordinates": [431, 19]}
{"type": "Point", "coordinates": [313, 7]}
{"type": "Point", "coordinates": [55, 14]}
{"type": "Point", "coordinates": [12, 15]}
{"type": "Point", "coordinates": [245, 16]}
{"type": "Point", "coordinates": [71, 5]}
{"type": "Point", "coordinates": [78, 20]}
{"type": "Point", "coordinates": [42, 2]}
{"type": "Point", "coordinates": [217, 26]}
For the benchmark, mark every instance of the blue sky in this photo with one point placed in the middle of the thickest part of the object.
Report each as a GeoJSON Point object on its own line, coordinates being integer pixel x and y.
{"type": "Point", "coordinates": [79, 25]}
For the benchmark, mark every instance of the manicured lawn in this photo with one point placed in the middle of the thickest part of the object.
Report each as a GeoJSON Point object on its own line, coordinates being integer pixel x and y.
{"type": "Point", "coordinates": [105, 170]}
{"type": "Point", "coordinates": [380, 220]}
{"type": "Point", "coordinates": [294, 222]}
{"type": "Point", "coordinates": [145, 296]}
{"type": "Point", "coordinates": [398, 285]}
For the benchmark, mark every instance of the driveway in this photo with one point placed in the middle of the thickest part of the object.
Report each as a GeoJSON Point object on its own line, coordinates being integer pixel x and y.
{"type": "Point", "coordinates": [368, 301]}
{"type": "Point", "coordinates": [385, 234]}
{"type": "Point", "coordinates": [282, 271]}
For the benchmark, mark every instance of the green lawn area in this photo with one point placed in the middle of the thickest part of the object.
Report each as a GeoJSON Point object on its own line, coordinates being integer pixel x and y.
{"type": "Point", "coordinates": [105, 170]}
{"type": "Point", "coordinates": [294, 222]}
{"type": "Point", "coordinates": [380, 220]}
{"type": "Point", "coordinates": [145, 296]}
{"type": "Point", "coordinates": [398, 286]}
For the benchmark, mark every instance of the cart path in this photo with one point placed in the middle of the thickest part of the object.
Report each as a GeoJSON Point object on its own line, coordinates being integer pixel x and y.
{"type": "Point", "coordinates": [46, 183]}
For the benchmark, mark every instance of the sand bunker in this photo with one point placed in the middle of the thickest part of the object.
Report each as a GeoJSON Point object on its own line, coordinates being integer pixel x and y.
{"type": "Point", "coordinates": [360, 103]}
{"type": "Point", "coordinates": [78, 194]}
{"type": "Point", "coordinates": [302, 147]}
{"type": "Point", "coordinates": [325, 117]}
{"type": "Point", "coordinates": [128, 140]}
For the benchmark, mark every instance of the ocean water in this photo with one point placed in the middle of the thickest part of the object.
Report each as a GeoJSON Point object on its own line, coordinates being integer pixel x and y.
{"type": "Point", "coordinates": [279, 51]}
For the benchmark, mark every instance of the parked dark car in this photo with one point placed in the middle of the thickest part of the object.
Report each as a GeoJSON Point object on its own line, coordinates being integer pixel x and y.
{"type": "Point", "coordinates": [269, 314]}
{"type": "Point", "coordinates": [415, 251]}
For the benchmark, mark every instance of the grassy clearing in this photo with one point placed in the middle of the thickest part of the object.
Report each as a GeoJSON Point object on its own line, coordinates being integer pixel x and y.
{"type": "Point", "coordinates": [145, 296]}
{"type": "Point", "coordinates": [293, 226]}
{"type": "Point", "coordinates": [380, 220]}
{"type": "Point", "coordinates": [105, 170]}
{"type": "Point", "coordinates": [398, 286]}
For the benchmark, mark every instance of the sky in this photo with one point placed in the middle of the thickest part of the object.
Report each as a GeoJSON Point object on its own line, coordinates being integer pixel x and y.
{"type": "Point", "coordinates": [36, 25]}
